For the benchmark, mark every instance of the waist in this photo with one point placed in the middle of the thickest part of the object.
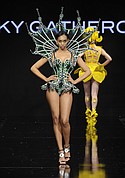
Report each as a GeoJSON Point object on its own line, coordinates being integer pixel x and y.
{"type": "Point", "coordinates": [93, 62]}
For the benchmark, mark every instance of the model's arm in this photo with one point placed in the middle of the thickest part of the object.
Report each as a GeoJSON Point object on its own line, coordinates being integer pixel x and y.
{"type": "Point", "coordinates": [107, 57]}
{"type": "Point", "coordinates": [87, 71]}
{"type": "Point", "coordinates": [81, 54]}
{"type": "Point", "coordinates": [35, 69]}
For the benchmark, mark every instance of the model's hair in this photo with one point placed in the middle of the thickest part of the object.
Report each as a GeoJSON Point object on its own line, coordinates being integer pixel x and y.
{"type": "Point", "coordinates": [60, 33]}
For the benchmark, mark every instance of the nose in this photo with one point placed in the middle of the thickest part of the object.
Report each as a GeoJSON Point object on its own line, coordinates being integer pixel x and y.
{"type": "Point", "coordinates": [62, 43]}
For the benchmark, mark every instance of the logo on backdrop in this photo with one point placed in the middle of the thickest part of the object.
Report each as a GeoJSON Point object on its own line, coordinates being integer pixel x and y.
{"type": "Point", "coordinates": [106, 26]}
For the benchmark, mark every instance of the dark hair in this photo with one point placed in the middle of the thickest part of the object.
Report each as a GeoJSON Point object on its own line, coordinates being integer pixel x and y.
{"type": "Point", "coordinates": [60, 33]}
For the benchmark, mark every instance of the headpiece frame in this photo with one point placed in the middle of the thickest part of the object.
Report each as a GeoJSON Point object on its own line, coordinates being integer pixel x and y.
{"type": "Point", "coordinates": [45, 41]}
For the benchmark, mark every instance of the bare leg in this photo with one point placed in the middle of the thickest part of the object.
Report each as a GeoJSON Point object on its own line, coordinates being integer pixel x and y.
{"type": "Point", "coordinates": [87, 93]}
{"type": "Point", "coordinates": [95, 89]}
{"type": "Point", "coordinates": [53, 100]}
{"type": "Point", "coordinates": [65, 109]}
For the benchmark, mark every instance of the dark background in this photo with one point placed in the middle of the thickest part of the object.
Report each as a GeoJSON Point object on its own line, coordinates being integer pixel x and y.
{"type": "Point", "coordinates": [20, 93]}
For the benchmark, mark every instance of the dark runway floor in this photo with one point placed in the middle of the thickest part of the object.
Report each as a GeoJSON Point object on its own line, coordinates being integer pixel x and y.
{"type": "Point", "coordinates": [28, 148]}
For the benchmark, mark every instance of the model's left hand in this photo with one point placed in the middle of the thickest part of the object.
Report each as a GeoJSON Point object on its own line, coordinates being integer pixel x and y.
{"type": "Point", "coordinates": [70, 79]}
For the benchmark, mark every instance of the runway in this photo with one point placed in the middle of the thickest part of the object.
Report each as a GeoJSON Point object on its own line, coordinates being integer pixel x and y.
{"type": "Point", "coordinates": [28, 148]}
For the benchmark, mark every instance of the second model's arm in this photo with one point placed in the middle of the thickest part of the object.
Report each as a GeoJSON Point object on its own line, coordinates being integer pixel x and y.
{"type": "Point", "coordinates": [107, 57]}
{"type": "Point", "coordinates": [86, 69]}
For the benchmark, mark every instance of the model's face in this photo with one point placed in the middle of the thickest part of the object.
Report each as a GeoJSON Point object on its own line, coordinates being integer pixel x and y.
{"type": "Point", "coordinates": [62, 41]}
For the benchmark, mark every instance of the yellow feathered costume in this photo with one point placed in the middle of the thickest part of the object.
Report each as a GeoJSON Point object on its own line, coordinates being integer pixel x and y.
{"type": "Point", "coordinates": [91, 58]}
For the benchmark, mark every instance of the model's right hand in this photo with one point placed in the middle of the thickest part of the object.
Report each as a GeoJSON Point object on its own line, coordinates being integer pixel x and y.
{"type": "Point", "coordinates": [52, 77]}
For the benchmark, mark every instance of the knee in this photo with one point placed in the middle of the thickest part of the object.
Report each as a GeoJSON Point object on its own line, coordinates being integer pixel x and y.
{"type": "Point", "coordinates": [64, 123]}
{"type": "Point", "coordinates": [94, 99]}
{"type": "Point", "coordinates": [55, 119]}
{"type": "Point", "coordinates": [87, 98]}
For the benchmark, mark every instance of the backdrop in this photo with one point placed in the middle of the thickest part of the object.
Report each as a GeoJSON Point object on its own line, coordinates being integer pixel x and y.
{"type": "Point", "coordinates": [20, 93]}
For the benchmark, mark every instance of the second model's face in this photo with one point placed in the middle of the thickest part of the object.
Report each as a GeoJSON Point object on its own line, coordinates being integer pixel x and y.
{"type": "Point", "coordinates": [62, 41]}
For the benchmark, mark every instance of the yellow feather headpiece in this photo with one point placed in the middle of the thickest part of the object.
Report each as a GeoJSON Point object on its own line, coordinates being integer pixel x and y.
{"type": "Point", "coordinates": [94, 36]}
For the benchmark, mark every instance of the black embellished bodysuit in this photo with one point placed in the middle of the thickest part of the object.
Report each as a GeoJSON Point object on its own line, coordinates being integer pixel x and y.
{"type": "Point", "coordinates": [62, 70]}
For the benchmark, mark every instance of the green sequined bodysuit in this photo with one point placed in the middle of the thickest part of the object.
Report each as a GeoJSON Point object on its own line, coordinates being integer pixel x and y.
{"type": "Point", "coordinates": [61, 69]}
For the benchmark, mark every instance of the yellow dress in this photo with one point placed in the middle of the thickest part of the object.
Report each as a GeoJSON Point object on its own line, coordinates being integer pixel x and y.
{"type": "Point", "coordinates": [91, 58]}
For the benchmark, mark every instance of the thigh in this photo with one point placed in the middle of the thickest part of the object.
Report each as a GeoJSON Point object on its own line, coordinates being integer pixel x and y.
{"type": "Point", "coordinates": [53, 100]}
{"type": "Point", "coordinates": [87, 87]}
{"type": "Point", "coordinates": [95, 86]}
{"type": "Point", "coordinates": [65, 105]}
